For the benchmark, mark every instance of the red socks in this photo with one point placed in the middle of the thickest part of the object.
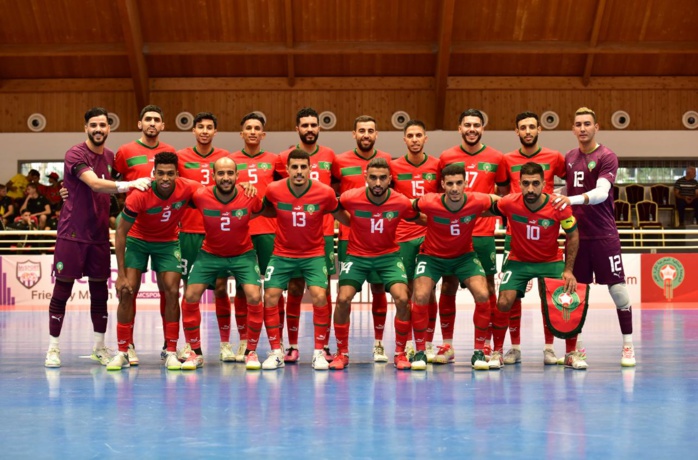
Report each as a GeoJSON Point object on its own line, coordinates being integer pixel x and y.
{"type": "Point", "coordinates": [420, 323]}
{"type": "Point", "coordinates": [447, 313]}
{"type": "Point", "coordinates": [223, 311]}
{"type": "Point", "coordinates": [293, 317]}
{"type": "Point", "coordinates": [321, 323]}
{"type": "Point", "coordinates": [255, 320]}
{"type": "Point", "coordinates": [341, 332]}
{"type": "Point", "coordinates": [191, 321]}
{"type": "Point", "coordinates": [240, 303]}
{"type": "Point", "coordinates": [379, 308]}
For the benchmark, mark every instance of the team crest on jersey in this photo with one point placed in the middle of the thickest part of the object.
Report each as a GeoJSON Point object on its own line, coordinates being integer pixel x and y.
{"type": "Point", "coordinates": [389, 216]}
{"type": "Point", "coordinates": [310, 209]}
{"type": "Point", "coordinates": [239, 213]}
{"type": "Point", "coordinates": [591, 165]}
{"type": "Point", "coordinates": [466, 219]}
{"type": "Point", "coordinates": [429, 176]}
{"type": "Point", "coordinates": [545, 223]}
{"type": "Point", "coordinates": [264, 166]}
{"type": "Point", "coordinates": [177, 205]}
{"type": "Point", "coordinates": [29, 273]}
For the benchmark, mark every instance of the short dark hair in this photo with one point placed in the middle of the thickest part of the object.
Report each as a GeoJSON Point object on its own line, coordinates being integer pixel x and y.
{"type": "Point", "coordinates": [32, 185]}
{"type": "Point", "coordinates": [33, 172]}
{"type": "Point", "coordinates": [253, 116]}
{"type": "Point", "coordinates": [524, 115]}
{"type": "Point", "coordinates": [166, 158]}
{"type": "Point", "coordinates": [306, 112]}
{"type": "Point", "coordinates": [151, 108]}
{"type": "Point", "coordinates": [206, 116]}
{"type": "Point", "coordinates": [532, 169]}
{"type": "Point", "coordinates": [364, 119]}
{"type": "Point", "coordinates": [378, 162]}
{"type": "Point", "coordinates": [95, 112]}
{"type": "Point", "coordinates": [419, 123]}
{"type": "Point", "coordinates": [298, 154]}
{"type": "Point", "coordinates": [453, 170]}
{"type": "Point", "coordinates": [471, 113]}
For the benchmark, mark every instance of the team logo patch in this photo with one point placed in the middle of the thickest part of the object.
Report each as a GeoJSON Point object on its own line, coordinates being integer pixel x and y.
{"type": "Point", "coordinates": [239, 213]}
{"type": "Point", "coordinates": [310, 209]}
{"type": "Point", "coordinates": [389, 215]}
{"type": "Point", "coordinates": [256, 269]}
{"type": "Point", "coordinates": [178, 255]}
{"type": "Point", "coordinates": [324, 270]}
{"type": "Point", "coordinates": [545, 223]}
{"type": "Point", "coordinates": [668, 273]}
{"type": "Point", "coordinates": [591, 165]}
{"type": "Point", "coordinates": [564, 312]}
{"type": "Point", "coordinates": [565, 302]}
{"type": "Point", "coordinates": [29, 273]}
{"type": "Point", "coordinates": [59, 267]}
{"type": "Point", "coordinates": [400, 265]}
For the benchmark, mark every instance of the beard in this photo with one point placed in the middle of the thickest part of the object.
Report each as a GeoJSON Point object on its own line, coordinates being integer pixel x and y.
{"type": "Point", "coordinates": [529, 144]}
{"type": "Point", "coordinates": [97, 143]}
{"type": "Point", "coordinates": [309, 138]}
{"type": "Point", "coordinates": [474, 143]}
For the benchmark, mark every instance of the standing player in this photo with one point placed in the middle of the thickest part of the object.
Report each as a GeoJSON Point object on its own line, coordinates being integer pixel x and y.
{"type": "Point", "coordinates": [591, 171]}
{"type": "Point", "coordinates": [481, 164]}
{"type": "Point", "coordinates": [414, 175]}
{"type": "Point", "coordinates": [82, 241]}
{"type": "Point", "coordinates": [300, 205]}
{"type": "Point", "coordinates": [226, 251]}
{"type": "Point", "coordinates": [149, 228]}
{"type": "Point", "coordinates": [196, 163]}
{"type": "Point", "coordinates": [321, 160]}
{"type": "Point", "coordinates": [448, 250]}
{"type": "Point", "coordinates": [375, 212]}
{"type": "Point", "coordinates": [535, 253]}
{"type": "Point", "coordinates": [135, 160]}
{"type": "Point", "coordinates": [349, 169]}
{"type": "Point", "coordinates": [553, 163]}
{"type": "Point", "coordinates": [255, 166]}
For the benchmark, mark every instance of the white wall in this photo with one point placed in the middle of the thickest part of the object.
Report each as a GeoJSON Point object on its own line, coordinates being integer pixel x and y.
{"type": "Point", "coordinates": [635, 144]}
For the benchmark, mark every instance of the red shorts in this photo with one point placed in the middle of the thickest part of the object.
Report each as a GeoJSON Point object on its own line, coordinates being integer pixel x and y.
{"type": "Point", "coordinates": [73, 259]}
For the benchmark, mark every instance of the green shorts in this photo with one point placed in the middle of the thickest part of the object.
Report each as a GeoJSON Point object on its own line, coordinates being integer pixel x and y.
{"type": "Point", "coordinates": [463, 267]}
{"type": "Point", "coordinates": [389, 268]}
{"type": "Point", "coordinates": [208, 268]}
{"type": "Point", "coordinates": [329, 256]}
{"type": "Point", "coordinates": [165, 256]}
{"type": "Point", "coordinates": [507, 248]}
{"type": "Point", "coordinates": [408, 252]}
{"type": "Point", "coordinates": [517, 274]}
{"type": "Point", "coordinates": [282, 269]}
{"type": "Point", "coordinates": [190, 244]}
{"type": "Point", "coordinates": [263, 246]}
{"type": "Point", "coordinates": [487, 253]}
{"type": "Point", "coordinates": [373, 277]}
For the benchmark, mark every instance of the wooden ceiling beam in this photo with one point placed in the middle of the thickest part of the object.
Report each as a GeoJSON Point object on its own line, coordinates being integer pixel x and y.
{"type": "Point", "coordinates": [443, 60]}
{"type": "Point", "coordinates": [78, 49]}
{"type": "Point", "coordinates": [290, 60]}
{"type": "Point", "coordinates": [133, 37]}
{"type": "Point", "coordinates": [594, 39]}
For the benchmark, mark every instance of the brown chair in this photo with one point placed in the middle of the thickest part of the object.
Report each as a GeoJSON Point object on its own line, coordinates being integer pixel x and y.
{"type": "Point", "coordinates": [624, 220]}
{"type": "Point", "coordinates": [647, 213]}
{"type": "Point", "coordinates": [634, 193]}
{"type": "Point", "coordinates": [661, 194]}
{"type": "Point", "coordinates": [616, 192]}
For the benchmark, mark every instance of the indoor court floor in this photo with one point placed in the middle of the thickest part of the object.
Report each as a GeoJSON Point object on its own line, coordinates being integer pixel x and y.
{"type": "Point", "coordinates": [366, 411]}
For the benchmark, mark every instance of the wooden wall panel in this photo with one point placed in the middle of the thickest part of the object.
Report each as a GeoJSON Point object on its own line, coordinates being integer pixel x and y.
{"type": "Point", "coordinates": [365, 65]}
{"type": "Point", "coordinates": [517, 64]}
{"type": "Point", "coordinates": [652, 64]}
{"type": "Point", "coordinates": [218, 66]}
{"type": "Point", "coordinates": [648, 109]}
{"type": "Point", "coordinates": [64, 67]}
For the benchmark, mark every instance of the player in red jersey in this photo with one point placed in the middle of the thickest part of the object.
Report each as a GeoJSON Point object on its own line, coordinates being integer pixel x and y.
{"type": "Point", "coordinates": [553, 163]}
{"type": "Point", "coordinates": [196, 163]}
{"type": "Point", "coordinates": [82, 239]}
{"type": "Point", "coordinates": [256, 167]}
{"type": "Point", "coordinates": [135, 160]}
{"type": "Point", "coordinates": [535, 253]}
{"type": "Point", "coordinates": [591, 172]}
{"type": "Point", "coordinates": [448, 250]}
{"type": "Point", "coordinates": [321, 160]}
{"type": "Point", "coordinates": [481, 164]}
{"type": "Point", "coordinates": [226, 251]}
{"type": "Point", "coordinates": [413, 175]}
{"type": "Point", "coordinates": [375, 212]}
{"type": "Point", "coordinates": [149, 228]}
{"type": "Point", "coordinates": [349, 170]}
{"type": "Point", "coordinates": [299, 204]}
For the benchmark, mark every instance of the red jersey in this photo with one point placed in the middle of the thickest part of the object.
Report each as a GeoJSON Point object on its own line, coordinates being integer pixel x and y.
{"type": "Point", "coordinates": [552, 162]}
{"type": "Point", "coordinates": [300, 218]}
{"type": "Point", "coordinates": [374, 225]}
{"type": "Point", "coordinates": [321, 161]}
{"type": "Point", "coordinates": [349, 169]}
{"type": "Point", "coordinates": [480, 171]}
{"type": "Point", "coordinates": [194, 166]}
{"type": "Point", "coordinates": [450, 233]}
{"type": "Point", "coordinates": [413, 181]}
{"type": "Point", "coordinates": [156, 219]}
{"type": "Point", "coordinates": [227, 223]}
{"type": "Point", "coordinates": [135, 159]}
{"type": "Point", "coordinates": [258, 170]}
{"type": "Point", "coordinates": [534, 233]}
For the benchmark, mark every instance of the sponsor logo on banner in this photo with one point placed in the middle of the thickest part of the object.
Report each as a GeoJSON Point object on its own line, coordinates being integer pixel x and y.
{"type": "Point", "coordinates": [668, 273]}
{"type": "Point", "coordinates": [28, 273]}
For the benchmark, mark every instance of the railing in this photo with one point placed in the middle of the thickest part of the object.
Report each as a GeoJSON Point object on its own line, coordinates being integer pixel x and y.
{"type": "Point", "coordinates": [632, 241]}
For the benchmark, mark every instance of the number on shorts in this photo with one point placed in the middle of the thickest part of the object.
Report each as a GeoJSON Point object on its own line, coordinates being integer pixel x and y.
{"type": "Point", "coordinates": [532, 232]}
{"type": "Point", "coordinates": [376, 226]}
{"type": "Point", "coordinates": [505, 277]}
{"type": "Point", "coordinates": [166, 216]}
{"type": "Point", "coordinates": [298, 219]}
{"type": "Point", "coordinates": [184, 263]}
{"type": "Point", "coordinates": [615, 263]}
{"type": "Point", "coordinates": [225, 223]}
{"type": "Point", "coordinates": [421, 267]}
{"type": "Point", "coordinates": [346, 266]}
{"type": "Point", "coordinates": [267, 274]}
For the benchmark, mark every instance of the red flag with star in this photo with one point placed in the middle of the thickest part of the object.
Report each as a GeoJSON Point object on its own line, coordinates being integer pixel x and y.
{"type": "Point", "coordinates": [565, 312]}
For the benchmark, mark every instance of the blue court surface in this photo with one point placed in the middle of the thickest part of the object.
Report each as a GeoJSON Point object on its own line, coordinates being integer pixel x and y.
{"type": "Point", "coordinates": [366, 411]}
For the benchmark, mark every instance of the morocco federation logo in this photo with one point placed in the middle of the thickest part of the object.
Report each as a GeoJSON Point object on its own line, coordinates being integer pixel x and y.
{"type": "Point", "coordinates": [565, 302]}
{"type": "Point", "coordinates": [668, 273]}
